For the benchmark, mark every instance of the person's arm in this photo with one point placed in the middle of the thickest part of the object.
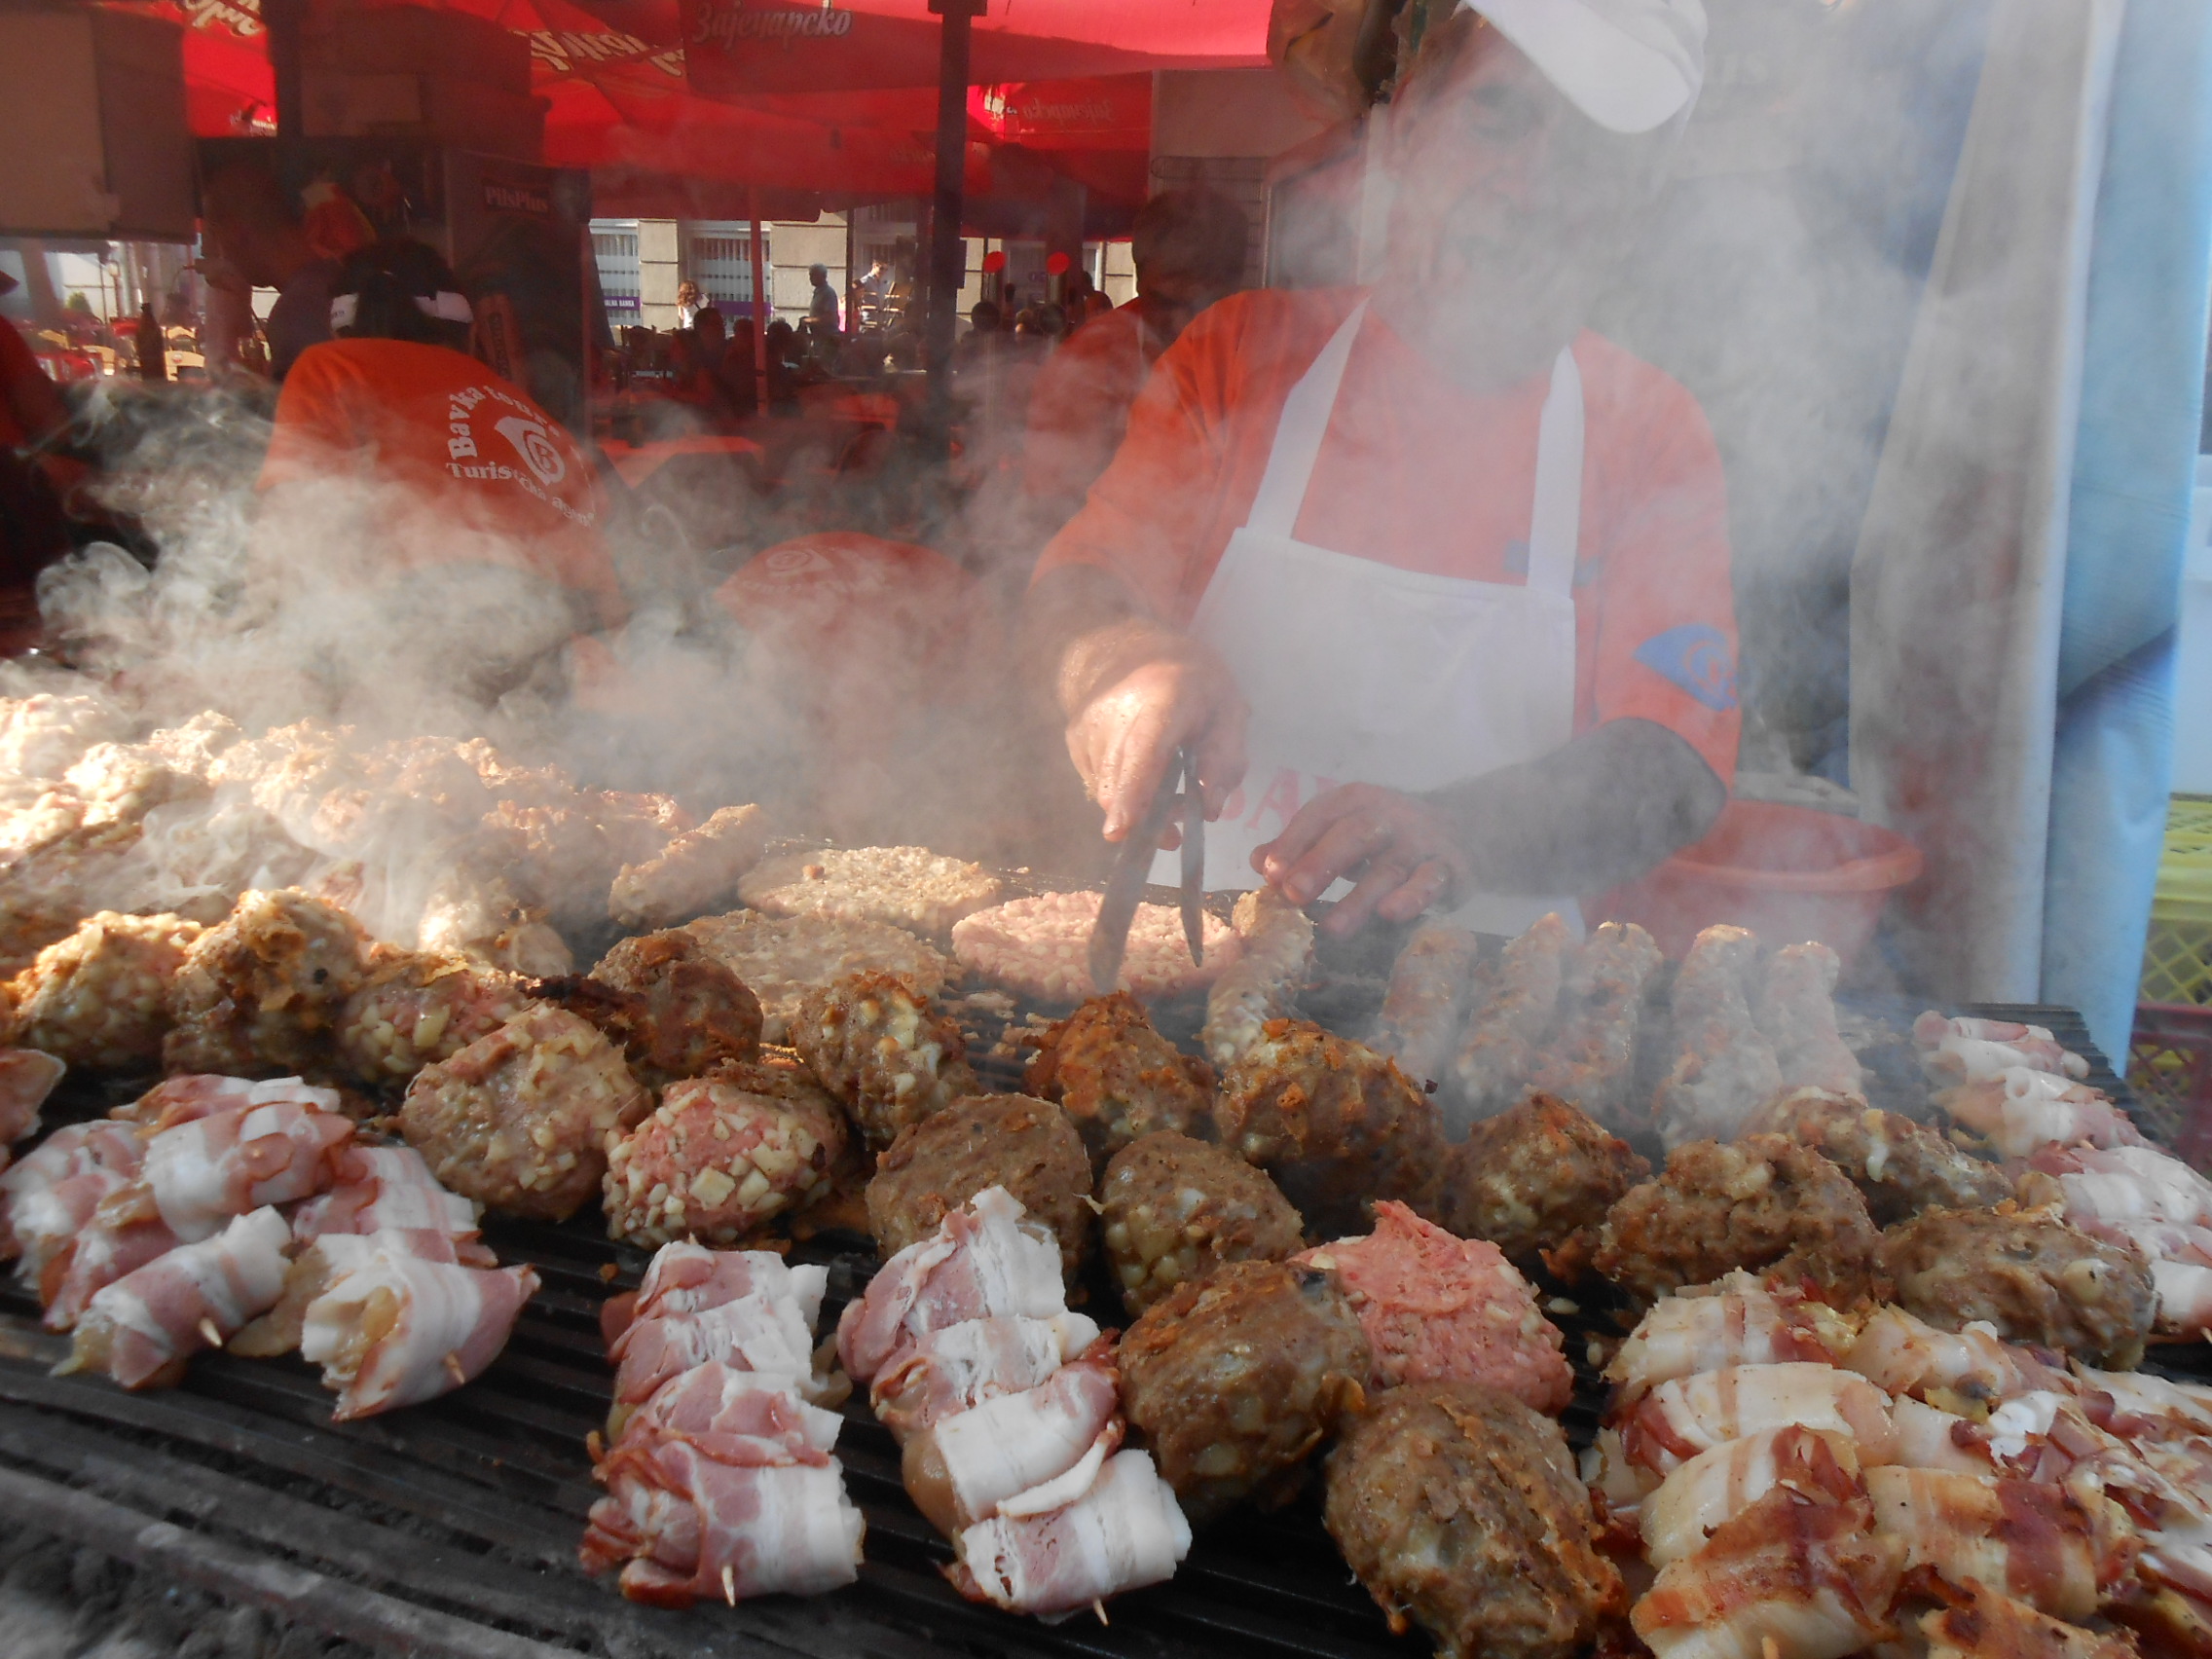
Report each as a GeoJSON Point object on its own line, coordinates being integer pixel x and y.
{"type": "Point", "coordinates": [1606, 807]}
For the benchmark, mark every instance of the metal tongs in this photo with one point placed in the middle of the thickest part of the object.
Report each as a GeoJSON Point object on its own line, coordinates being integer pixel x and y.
{"type": "Point", "coordinates": [1178, 797]}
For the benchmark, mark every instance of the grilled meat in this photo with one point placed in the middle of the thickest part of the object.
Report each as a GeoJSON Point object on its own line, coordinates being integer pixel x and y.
{"type": "Point", "coordinates": [418, 1008]}
{"type": "Point", "coordinates": [261, 993]}
{"type": "Point", "coordinates": [882, 1047]}
{"type": "Point", "coordinates": [1724, 1066]}
{"type": "Point", "coordinates": [1274, 953]}
{"type": "Point", "coordinates": [1431, 985]}
{"type": "Point", "coordinates": [1118, 1078]}
{"type": "Point", "coordinates": [906, 887]}
{"type": "Point", "coordinates": [1515, 1005]}
{"type": "Point", "coordinates": [1796, 1015]}
{"type": "Point", "coordinates": [941, 1162]}
{"type": "Point", "coordinates": [690, 1013]}
{"type": "Point", "coordinates": [1536, 1181]}
{"type": "Point", "coordinates": [1589, 1059]}
{"type": "Point", "coordinates": [1233, 1379]}
{"type": "Point", "coordinates": [100, 998]}
{"type": "Point", "coordinates": [696, 871]}
{"type": "Point", "coordinates": [1176, 1210]}
{"type": "Point", "coordinates": [781, 960]}
{"type": "Point", "coordinates": [1901, 1166]}
{"type": "Point", "coordinates": [717, 1162]}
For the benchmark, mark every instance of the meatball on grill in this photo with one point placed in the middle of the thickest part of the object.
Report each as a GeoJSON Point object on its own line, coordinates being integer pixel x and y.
{"type": "Point", "coordinates": [884, 1049]}
{"type": "Point", "coordinates": [519, 1120]}
{"type": "Point", "coordinates": [1234, 1380]}
{"type": "Point", "coordinates": [678, 1012]}
{"type": "Point", "coordinates": [261, 992]}
{"type": "Point", "coordinates": [1536, 1181]}
{"type": "Point", "coordinates": [1902, 1168]}
{"type": "Point", "coordinates": [938, 1165]}
{"type": "Point", "coordinates": [1119, 1079]}
{"type": "Point", "coordinates": [417, 1009]}
{"type": "Point", "coordinates": [1457, 1507]}
{"type": "Point", "coordinates": [717, 1163]}
{"type": "Point", "coordinates": [1748, 1203]}
{"type": "Point", "coordinates": [100, 998]}
{"type": "Point", "coordinates": [1175, 1209]}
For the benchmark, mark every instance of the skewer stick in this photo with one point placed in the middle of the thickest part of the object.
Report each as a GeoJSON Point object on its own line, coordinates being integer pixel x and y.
{"type": "Point", "coordinates": [1098, 1606]}
{"type": "Point", "coordinates": [209, 1332]}
{"type": "Point", "coordinates": [730, 1585]}
{"type": "Point", "coordinates": [454, 1370]}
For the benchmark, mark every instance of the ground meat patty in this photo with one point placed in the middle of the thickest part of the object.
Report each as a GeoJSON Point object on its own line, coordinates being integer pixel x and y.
{"type": "Point", "coordinates": [681, 1012]}
{"type": "Point", "coordinates": [418, 1008]}
{"type": "Point", "coordinates": [519, 1120]}
{"type": "Point", "coordinates": [1336, 1125]}
{"type": "Point", "coordinates": [100, 999]}
{"type": "Point", "coordinates": [1234, 1380]}
{"type": "Point", "coordinates": [906, 887]}
{"type": "Point", "coordinates": [780, 959]}
{"type": "Point", "coordinates": [261, 992]}
{"type": "Point", "coordinates": [1119, 1079]}
{"type": "Point", "coordinates": [1457, 1507]}
{"type": "Point", "coordinates": [691, 873]}
{"type": "Point", "coordinates": [717, 1163]}
{"type": "Point", "coordinates": [1902, 1168]}
{"type": "Point", "coordinates": [938, 1165]}
{"type": "Point", "coordinates": [1438, 1308]}
{"type": "Point", "coordinates": [1536, 1181]}
{"type": "Point", "coordinates": [1748, 1203]}
{"type": "Point", "coordinates": [882, 1049]}
{"type": "Point", "coordinates": [2029, 1274]}
{"type": "Point", "coordinates": [1175, 1209]}
{"type": "Point", "coordinates": [1041, 948]}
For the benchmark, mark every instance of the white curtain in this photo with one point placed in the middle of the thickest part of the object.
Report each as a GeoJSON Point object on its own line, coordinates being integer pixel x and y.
{"type": "Point", "coordinates": [1958, 583]}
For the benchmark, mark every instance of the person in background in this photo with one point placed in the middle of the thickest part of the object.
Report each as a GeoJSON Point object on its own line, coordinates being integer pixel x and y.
{"type": "Point", "coordinates": [34, 528]}
{"type": "Point", "coordinates": [1189, 249]}
{"type": "Point", "coordinates": [1083, 299]}
{"type": "Point", "coordinates": [874, 284]}
{"type": "Point", "coordinates": [740, 374]}
{"type": "Point", "coordinates": [781, 340]}
{"type": "Point", "coordinates": [406, 476]}
{"type": "Point", "coordinates": [1432, 581]}
{"type": "Point", "coordinates": [687, 304]}
{"type": "Point", "coordinates": [258, 230]}
{"type": "Point", "coordinates": [822, 307]}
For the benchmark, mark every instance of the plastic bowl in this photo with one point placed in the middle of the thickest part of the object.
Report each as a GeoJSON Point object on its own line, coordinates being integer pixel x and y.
{"type": "Point", "coordinates": [1789, 873]}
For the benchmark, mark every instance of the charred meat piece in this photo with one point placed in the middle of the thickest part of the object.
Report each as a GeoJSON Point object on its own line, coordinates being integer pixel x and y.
{"type": "Point", "coordinates": [1749, 1204]}
{"type": "Point", "coordinates": [2032, 1276]}
{"type": "Point", "coordinates": [690, 875]}
{"type": "Point", "coordinates": [417, 1009]}
{"type": "Point", "coordinates": [1431, 985]}
{"type": "Point", "coordinates": [1234, 1380]}
{"type": "Point", "coordinates": [519, 1120]}
{"type": "Point", "coordinates": [1724, 1067]}
{"type": "Point", "coordinates": [882, 1047]}
{"type": "Point", "coordinates": [261, 993]}
{"type": "Point", "coordinates": [717, 1162]}
{"type": "Point", "coordinates": [1903, 1167]}
{"type": "Point", "coordinates": [1590, 1060]}
{"type": "Point", "coordinates": [676, 1011]}
{"type": "Point", "coordinates": [941, 1162]}
{"type": "Point", "coordinates": [1797, 1013]}
{"type": "Point", "coordinates": [1274, 953]}
{"type": "Point", "coordinates": [1335, 1123]}
{"type": "Point", "coordinates": [100, 998]}
{"type": "Point", "coordinates": [1536, 1181]}
{"type": "Point", "coordinates": [1515, 1008]}
{"type": "Point", "coordinates": [1119, 1079]}
{"type": "Point", "coordinates": [1458, 1508]}
{"type": "Point", "coordinates": [1176, 1209]}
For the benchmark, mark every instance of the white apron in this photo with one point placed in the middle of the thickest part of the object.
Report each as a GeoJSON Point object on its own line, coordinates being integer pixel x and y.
{"type": "Point", "coordinates": [1359, 672]}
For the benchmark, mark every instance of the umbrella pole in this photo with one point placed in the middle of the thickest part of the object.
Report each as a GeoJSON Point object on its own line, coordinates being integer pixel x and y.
{"type": "Point", "coordinates": [948, 263]}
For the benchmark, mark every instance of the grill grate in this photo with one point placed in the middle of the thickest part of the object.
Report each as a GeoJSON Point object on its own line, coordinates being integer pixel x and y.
{"type": "Point", "coordinates": [451, 1528]}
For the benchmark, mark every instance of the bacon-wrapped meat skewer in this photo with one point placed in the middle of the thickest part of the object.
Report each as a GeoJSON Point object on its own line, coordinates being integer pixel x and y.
{"type": "Point", "coordinates": [1969, 1050]}
{"type": "Point", "coordinates": [196, 1175]}
{"type": "Point", "coordinates": [2020, 1111]}
{"type": "Point", "coordinates": [141, 1329]}
{"type": "Point", "coordinates": [53, 1193]}
{"type": "Point", "coordinates": [395, 1329]}
{"type": "Point", "coordinates": [27, 1077]}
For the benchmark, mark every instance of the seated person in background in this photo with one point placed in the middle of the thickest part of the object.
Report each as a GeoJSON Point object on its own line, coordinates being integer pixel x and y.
{"type": "Point", "coordinates": [740, 374]}
{"type": "Point", "coordinates": [256, 226]}
{"type": "Point", "coordinates": [1189, 248]}
{"type": "Point", "coordinates": [418, 509]}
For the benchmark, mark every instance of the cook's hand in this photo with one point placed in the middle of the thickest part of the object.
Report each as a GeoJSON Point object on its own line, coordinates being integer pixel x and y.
{"type": "Point", "coordinates": [1400, 853]}
{"type": "Point", "coordinates": [1160, 693]}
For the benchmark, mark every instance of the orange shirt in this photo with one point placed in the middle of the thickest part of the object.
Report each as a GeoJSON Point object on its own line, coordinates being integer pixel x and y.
{"type": "Point", "coordinates": [1418, 473]}
{"type": "Point", "coordinates": [1081, 404]}
{"type": "Point", "coordinates": [474, 452]}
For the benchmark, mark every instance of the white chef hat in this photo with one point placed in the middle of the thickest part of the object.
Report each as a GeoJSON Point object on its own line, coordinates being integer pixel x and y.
{"type": "Point", "coordinates": [1630, 66]}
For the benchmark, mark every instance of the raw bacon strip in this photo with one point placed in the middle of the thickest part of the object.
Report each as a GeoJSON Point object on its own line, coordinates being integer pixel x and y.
{"type": "Point", "coordinates": [385, 1188]}
{"type": "Point", "coordinates": [142, 1328]}
{"type": "Point", "coordinates": [26, 1078]}
{"type": "Point", "coordinates": [1906, 1355]}
{"type": "Point", "coordinates": [2057, 1549]}
{"type": "Point", "coordinates": [202, 1095]}
{"type": "Point", "coordinates": [1681, 1418]}
{"type": "Point", "coordinates": [1734, 1321]}
{"type": "Point", "coordinates": [691, 1278]}
{"type": "Point", "coordinates": [958, 1368]}
{"type": "Point", "coordinates": [983, 1264]}
{"type": "Point", "coordinates": [39, 1212]}
{"type": "Point", "coordinates": [105, 1250]}
{"type": "Point", "coordinates": [399, 1330]}
{"type": "Point", "coordinates": [319, 1267]}
{"type": "Point", "coordinates": [2127, 1183]}
{"type": "Point", "coordinates": [1975, 1049]}
{"type": "Point", "coordinates": [2021, 1111]}
{"type": "Point", "coordinates": [755, 1333]}
{"type": "Point", "coordinates": [715, 1407]}
{"type": "Point", "coordinates": [961, 1469]}
{"type": "Point", "coordinates": [200, 1174]}
{"type": "Point", "coordinates": [688, 1526]}
{"type": "Point", "coordinates": [1125, 1533]}
{"type": "Point", "coordinates": [1717, 1486]}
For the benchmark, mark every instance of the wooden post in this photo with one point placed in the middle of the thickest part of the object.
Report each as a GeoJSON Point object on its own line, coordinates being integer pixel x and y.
{"type": "Point", "coordinates": [760, 301]}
